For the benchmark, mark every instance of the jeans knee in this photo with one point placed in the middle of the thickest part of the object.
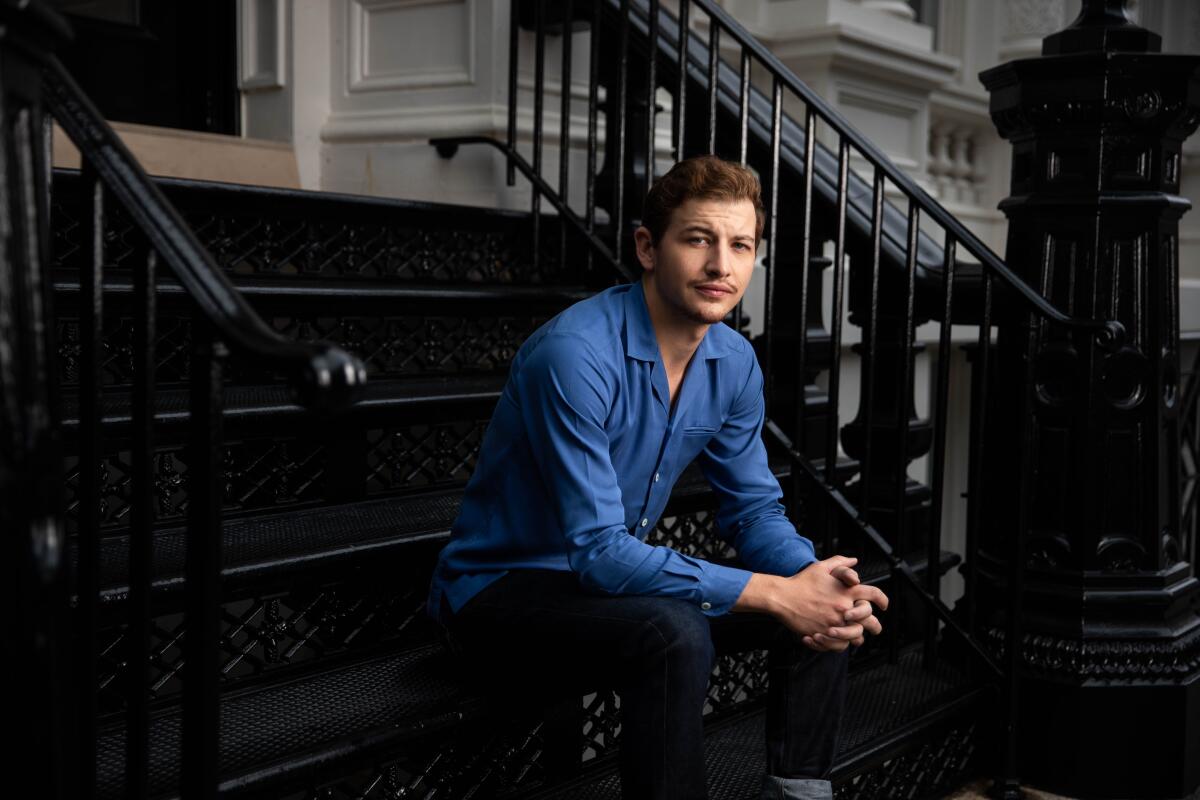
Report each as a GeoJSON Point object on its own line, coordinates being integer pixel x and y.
{"type": "Point", "coordinates": [679, 632]}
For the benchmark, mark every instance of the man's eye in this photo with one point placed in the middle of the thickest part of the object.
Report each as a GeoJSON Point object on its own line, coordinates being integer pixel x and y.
{"type": "Point", "coordinates": [697, 240]}
{"type": "Point", "coordinates": [741, 246]}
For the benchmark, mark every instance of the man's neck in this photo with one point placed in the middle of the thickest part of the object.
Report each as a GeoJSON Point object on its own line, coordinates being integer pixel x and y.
{"type": "Point", "coordinates": [678, 337]}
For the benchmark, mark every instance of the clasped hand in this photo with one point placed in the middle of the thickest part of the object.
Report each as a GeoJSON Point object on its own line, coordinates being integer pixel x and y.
{"type": "Point", "coordinates": [839, 609]}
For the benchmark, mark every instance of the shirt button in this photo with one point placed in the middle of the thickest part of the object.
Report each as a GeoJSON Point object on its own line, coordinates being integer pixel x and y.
{"type": "Point", "coordinates": [705, 606]}
{"type": "Point", "coordinates": [656, 477]}
{"type": "Point", "coordinates": [645, 522]}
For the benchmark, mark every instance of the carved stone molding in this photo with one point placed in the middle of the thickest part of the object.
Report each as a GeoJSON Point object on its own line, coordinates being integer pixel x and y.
{"type": "Point", "coordinates": [1031, 18]}
{"type": "Point", "coordinates": [1108, 659]}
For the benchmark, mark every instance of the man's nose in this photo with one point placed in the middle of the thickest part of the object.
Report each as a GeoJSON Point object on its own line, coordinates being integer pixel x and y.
{"type": "Point", "coordinates": [719, 261]}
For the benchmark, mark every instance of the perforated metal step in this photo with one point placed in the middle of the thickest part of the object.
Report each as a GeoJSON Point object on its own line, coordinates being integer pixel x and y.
{"type": "Point", "coordinates": [303, 722]}
{"type": "Point", "coordinates": [256, 547]}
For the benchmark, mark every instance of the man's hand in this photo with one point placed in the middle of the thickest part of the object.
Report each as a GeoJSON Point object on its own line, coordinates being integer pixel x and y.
{"type": "Point", "coordinates": [821, 606]}
{"type": "Point", "coordinates": [862, 613]}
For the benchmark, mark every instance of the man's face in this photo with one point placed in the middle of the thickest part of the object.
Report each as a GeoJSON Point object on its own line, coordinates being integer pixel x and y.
{"type": "Point", "coordinates": [702, 264]}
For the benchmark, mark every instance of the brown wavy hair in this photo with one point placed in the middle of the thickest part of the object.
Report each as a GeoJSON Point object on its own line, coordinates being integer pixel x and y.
{"type": "Point", "coordinates": [701, 177]}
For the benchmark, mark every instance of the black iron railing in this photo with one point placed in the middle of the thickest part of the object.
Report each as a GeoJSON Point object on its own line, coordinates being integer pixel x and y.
{"type": "Point", "coordinates": [36, 92]}
{"type": "Point", "coordinates": [891, 268]}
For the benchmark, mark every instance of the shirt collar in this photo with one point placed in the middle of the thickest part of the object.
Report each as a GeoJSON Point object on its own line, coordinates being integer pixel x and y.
{"type": "Point", "coordinates": [640, 341]}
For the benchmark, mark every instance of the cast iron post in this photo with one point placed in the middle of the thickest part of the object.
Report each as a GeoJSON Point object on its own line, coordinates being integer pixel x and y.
{"type": "Point", "coordinates": [34, 547]}
{"type": "Point", "coordinates": [1109, 688]}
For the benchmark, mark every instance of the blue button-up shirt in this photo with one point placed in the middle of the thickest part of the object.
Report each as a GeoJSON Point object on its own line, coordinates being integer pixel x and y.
{"type": "Point", "coordinates": [583, 448]}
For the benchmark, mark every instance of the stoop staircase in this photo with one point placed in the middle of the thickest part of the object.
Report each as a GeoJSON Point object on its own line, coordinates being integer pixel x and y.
{"type": "Point", "coordinates": [248, 525]}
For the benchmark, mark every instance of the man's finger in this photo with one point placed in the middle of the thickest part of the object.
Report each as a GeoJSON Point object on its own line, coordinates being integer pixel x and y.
{"type": "Point", "coordinates": [845, 575]}
{"type": "Point", "coordinates": [861, 610]}
{"type": "Point", "coordinates": [873, 594]}
{"type": "Point", "coordinates": [839, 561]}
{"type": "Point", "coordinates": [872, 626]}
{"type": "Point", "coordinates": [831, 644]}
{"type": "Point", "coordinates": [812, 645]}
{"type": "Point", "coordinates": [846, 632]}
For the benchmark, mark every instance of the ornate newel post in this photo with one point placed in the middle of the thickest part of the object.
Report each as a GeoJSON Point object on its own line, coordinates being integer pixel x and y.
{"type": "Point", "coordinates": [1109, 691]}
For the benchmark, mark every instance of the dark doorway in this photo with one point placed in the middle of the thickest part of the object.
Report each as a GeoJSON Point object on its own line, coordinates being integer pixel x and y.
{"type": "Point", "coordinates": [157, 62]}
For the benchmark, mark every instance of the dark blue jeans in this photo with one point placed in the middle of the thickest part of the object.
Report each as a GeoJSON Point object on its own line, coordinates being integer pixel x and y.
{"type": "Point", "coordinates": [538, 631]}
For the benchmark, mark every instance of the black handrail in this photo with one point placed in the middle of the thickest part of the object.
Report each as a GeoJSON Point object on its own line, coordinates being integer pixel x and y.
{"type": "Point", "coordinates": [324, 376]}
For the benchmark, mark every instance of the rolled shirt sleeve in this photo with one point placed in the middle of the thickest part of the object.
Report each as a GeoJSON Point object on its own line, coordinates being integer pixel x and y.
{"type": "Point", "coordinates": [750, 516]}
{"type": "Point", "coordinates": [565, 397]}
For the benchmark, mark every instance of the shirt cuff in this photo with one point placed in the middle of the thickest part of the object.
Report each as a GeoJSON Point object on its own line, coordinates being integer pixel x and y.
{"type": "Point", "coordinates": [720, 588]}
{"type": "Point", "coordinates": [796, 554]}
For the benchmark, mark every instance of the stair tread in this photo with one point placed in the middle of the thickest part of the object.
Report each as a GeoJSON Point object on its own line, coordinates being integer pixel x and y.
{"type": "Point", "coordinates": [171, 404]}
{"type": "Point", "coordinates": [267, 542]}
{"type": "Point", "coordinates": [381, 701]}
{"type": "Point", "coordinates": [289, 538]}
{"type": "Point", "coordinates": [289, 286]}
{"type": "Point", "coordinates": [880, 702]}
{"type": "Point", "coordinates": [262, 728]}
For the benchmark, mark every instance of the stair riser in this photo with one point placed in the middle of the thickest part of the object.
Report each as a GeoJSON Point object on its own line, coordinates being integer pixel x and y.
{"type": "Point", "coordinates": [394, 346]}
{"type": "Point", "coordinates": [273, 472]}
{"type": "Point", "coordinates": [306, 235]}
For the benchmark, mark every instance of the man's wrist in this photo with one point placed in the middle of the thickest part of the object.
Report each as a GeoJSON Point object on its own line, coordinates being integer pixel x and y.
{"type": "Point", "coordinates": [759, 594]}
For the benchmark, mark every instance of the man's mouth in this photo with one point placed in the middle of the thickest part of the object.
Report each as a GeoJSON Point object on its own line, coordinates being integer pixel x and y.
{"type": "Point", "coordinates": [710, 290]}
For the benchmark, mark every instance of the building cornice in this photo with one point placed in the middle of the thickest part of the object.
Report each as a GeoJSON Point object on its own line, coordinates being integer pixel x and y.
{"type": "Point", "coordinates": [845, 48]}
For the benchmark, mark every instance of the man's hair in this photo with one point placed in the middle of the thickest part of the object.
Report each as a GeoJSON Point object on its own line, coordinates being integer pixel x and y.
{"type": "Point", "coordinates": [704, 178]}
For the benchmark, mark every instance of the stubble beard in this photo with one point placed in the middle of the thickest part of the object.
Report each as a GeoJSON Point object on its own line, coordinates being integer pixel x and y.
{"type": "Point", "coordinates": [702, 315]}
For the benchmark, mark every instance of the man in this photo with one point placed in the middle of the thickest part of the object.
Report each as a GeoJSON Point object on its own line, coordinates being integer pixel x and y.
{"type": "Point", "coordinates": [547, 578]}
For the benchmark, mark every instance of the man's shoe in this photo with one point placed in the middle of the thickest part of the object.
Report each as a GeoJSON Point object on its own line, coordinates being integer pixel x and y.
{"type": "Point", "coordinates": [774, 788]}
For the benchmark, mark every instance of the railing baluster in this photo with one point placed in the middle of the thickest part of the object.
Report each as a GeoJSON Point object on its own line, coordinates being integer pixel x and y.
{"type": "Point", "coordinates": [744, 109]}
{"type": "Point", "coordinates": [714, 62]}
{"type": "Point", "coordinates": [978, 453]}
{"type": "Point", "coordinates": [539, 98]}
{"type": "Point", "coordinates": [618, 222]}
{"type": "Point", "coordinates": [201, 690]}
{"type": "Point", "coordinates": [773, 226]}
{"type": "Point", "coordinates": [744, 124]}
{"type": "Point", "coordinates": [832, 419]}
{"type": "Point", "coordinates": [810, 129]}
{"type": "Point", "coordinates": [835, 315]}
{"type": "Point", "coordinates": [905, 390]}
{"type": "Point", "coordinates": [679, 107]}
{"type": "Point", "coordinates": [141, 534]}
{"type": "Point", "coordinates": [651, 85]}
{"type": "Point", "coordinates": [870, 331]}
{"type": "Point", "coordinates": [91, 334]}
{"type": "Point", "coordinates": [938, 471]}
{"type": "Point", "coordinates": [564, 128]}
{"type": "Point", "coordinates": [593, 111]}
{"type": "Point", "coordinates": [514, 26]}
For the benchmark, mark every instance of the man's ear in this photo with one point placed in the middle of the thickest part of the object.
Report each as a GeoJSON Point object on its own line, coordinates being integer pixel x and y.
{"type": "Point", "coordinates": [644, 243]}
